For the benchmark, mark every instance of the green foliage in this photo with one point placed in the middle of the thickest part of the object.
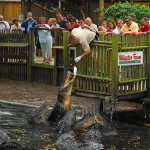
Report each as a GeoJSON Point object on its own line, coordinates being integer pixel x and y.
{"type": "Point", "coordinates": [120, 10]}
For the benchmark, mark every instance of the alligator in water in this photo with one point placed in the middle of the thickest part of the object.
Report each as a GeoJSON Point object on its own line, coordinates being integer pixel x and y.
{"type": "Point", "coordinates": [3, 137]}
{"type": "Point", "coordinates": [67, 122]}
{"type": "Point", "coordinates": [62, 106]}
{"type": "Point", "coordinates": [66, 142]}
{"type": "Point", "coordinates": [13, 146]}
{"type": "Point", "coordinates": [39, 115]}
{"type": "Point", "coordinates": [65, 117]}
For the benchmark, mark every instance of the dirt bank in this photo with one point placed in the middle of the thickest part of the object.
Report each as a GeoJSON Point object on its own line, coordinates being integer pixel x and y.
{"type": "Point", "coordinates": [35, 94]}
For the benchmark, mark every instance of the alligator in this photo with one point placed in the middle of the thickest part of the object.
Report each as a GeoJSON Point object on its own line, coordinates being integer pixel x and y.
{"type": "Point", "coordinates": [42, 114]}
{"type": "Point", "coordinates": [66, 142]}
{"type": "Point", "coordinates": [93, 138]}
{"type": "Point", "coordinates": [94, 133]}
{"type": "Point", "coordinates": [67, 122]}
{"type": "Point", "coordinates": [3, 137]}
{"type": "Point", "coordinates": [65, 119]}
{"type": "Point", "coordinates": [63, 104]}
{"type": "Point", "coordinates": [13, 146]}
{"type": "Point", "coordinates": [10, 146]}
{"type": "Point", "coordinates": [39, 115]}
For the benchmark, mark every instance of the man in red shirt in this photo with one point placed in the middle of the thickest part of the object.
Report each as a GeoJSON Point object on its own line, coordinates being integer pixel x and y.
{"type": "Point", "coordinates": [145, 25]}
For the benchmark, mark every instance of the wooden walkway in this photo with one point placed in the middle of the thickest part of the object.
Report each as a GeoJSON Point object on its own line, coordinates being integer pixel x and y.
{"type": "Point", "coordinates": [39, 60]}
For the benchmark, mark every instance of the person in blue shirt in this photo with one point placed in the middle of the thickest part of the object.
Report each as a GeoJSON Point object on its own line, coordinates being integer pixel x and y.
{"type": "Point", "coordinates": [61, 21]}
{"type": "Point", "coordinates": [29, 22]}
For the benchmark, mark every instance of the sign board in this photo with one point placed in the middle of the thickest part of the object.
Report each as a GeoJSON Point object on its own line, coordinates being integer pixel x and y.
{"type": "Point", "coordinates": [130, 58]}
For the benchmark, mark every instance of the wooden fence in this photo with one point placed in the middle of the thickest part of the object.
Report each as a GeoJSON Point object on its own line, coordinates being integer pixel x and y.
{"type": "Point", "coordinates": [100, 73]}
{"type": "Point", "coordinates": [112, 71]}
{"type": "Point", "coordinates": [16, 59]}
{"type": "Point", "coordinates": [116, 69]}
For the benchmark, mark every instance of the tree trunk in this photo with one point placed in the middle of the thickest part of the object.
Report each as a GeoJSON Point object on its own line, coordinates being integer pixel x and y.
{"type": "Point", "coordinates": [132, 2]}
{"type": "Point", "coordinates": [101, 5]}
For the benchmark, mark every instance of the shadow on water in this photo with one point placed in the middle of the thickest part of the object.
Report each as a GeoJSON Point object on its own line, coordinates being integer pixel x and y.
{"type": "Point", "coordinates": [131, 132]}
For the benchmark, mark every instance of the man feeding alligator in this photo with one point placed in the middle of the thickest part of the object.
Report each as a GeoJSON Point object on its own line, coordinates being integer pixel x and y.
{"type": "Point", "coordinates": [83, 37]}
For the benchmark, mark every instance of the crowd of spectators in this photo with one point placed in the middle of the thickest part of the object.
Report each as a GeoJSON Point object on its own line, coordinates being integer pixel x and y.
{"type": "Point", "coordinates": [45, 26]}
{"type": "Point", "coordinates": [121, 26]}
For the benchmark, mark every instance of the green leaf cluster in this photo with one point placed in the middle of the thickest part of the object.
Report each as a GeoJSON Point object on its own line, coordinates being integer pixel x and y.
{"type": "Point", "coordinates": [120, 10]}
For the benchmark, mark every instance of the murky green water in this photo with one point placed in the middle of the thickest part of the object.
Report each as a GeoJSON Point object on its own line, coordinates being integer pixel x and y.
{"type": "Point", "coordinates": [132, 134]}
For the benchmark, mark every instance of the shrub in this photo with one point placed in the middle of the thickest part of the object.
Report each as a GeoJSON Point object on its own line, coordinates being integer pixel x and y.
{"type": "Point", "coordinates": [120, 10]}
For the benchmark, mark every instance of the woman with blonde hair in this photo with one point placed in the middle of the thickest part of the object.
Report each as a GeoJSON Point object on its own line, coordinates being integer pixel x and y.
{"type": "Point", "coordinates": [50, 21]}
{"type": "Point", "coordinates": [45, 39]}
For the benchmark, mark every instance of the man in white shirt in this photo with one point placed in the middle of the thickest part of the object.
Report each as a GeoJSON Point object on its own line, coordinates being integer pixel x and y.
{"type": "Point", "coordinates": [90, 25]}
{"type": "Point", "coordinates": [3, 24]}
{"type": "Point", "coordinates": [84, 37]}
{"type": "Point", "coordinates": [16, 25]}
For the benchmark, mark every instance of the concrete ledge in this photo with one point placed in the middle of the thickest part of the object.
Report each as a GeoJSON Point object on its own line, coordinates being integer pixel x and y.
{"type": "Point", "coordinates": [17, 104]}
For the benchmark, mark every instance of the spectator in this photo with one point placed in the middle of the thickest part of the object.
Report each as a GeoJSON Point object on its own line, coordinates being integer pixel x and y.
{"type": "Point", "coordinates": [129, 27]}
{"type": "Point", "coordinates": [60, 20]}
{"type": "Point", "coordinates": [74, 23]}
{"type": "Point", "coordinates": [103, 27]}
{"type": "Point", "coordinates": [54, 24]}
{"type": "Point", "coordinates": [16, 25]}
{"type": "Point", "coordinates": [69, 26]}
{"type": "Point", "coordinates": [119, 24]}
{"type": "Point", "coordinates": [3, 24]}
{"type": "Point", "coordinates": [145, 25]}
{"type": "Point", "coordinates": [50, 21]}
{"type": "Point", "coordinates": [90, 25]}
{"type": "Point", "coordinates": [84, 37]}
{"type": "Point", "coordinates": [112, 28]}
{"type": "Point", "coordinates": [29, 22]}
{"type": "Point", "coordinates": [45, 39]}
{"type": "Point", "coordinates": [81, 22]}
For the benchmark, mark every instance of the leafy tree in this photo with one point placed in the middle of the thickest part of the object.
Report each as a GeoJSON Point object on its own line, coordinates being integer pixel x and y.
{"type": "Point", "coordinates": [120, 10]}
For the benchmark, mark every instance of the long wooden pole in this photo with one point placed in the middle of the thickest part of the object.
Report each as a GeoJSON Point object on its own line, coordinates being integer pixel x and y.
{"type": "Point", "coordinates": [65, 51]}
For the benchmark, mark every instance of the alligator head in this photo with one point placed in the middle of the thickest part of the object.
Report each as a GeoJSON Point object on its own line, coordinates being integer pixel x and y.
{"type": "Point", "coordinates": [39, 115]}
{"type": "Point", "coordinates": [90, 119]}
{"type": "Point", "coordinates": [64, 92]}
{"type": "Point", "coordinates": [66, 142]}
{"type": "Point", "coordinates": [3, 137]}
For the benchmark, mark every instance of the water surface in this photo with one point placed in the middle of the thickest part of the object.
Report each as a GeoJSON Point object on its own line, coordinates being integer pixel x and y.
{"type": "Point", "coordinates": [132, 134]}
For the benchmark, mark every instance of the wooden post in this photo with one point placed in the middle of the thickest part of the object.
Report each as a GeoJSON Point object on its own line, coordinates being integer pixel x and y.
{"type": "Point", "coordinates": [101, 5]}
{"type": "Point", "coordinates": [30, 53]}
{"type": "Point", "coordinates": [114, 69]}
{"type": "Point", "coordinates": [148, 68]}
{"type": "Point", "coordinates": [65, 52]}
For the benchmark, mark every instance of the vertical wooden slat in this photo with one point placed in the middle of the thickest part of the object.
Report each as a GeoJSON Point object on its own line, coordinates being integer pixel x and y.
{"type": "Point", "coordinates": [114, 68]}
